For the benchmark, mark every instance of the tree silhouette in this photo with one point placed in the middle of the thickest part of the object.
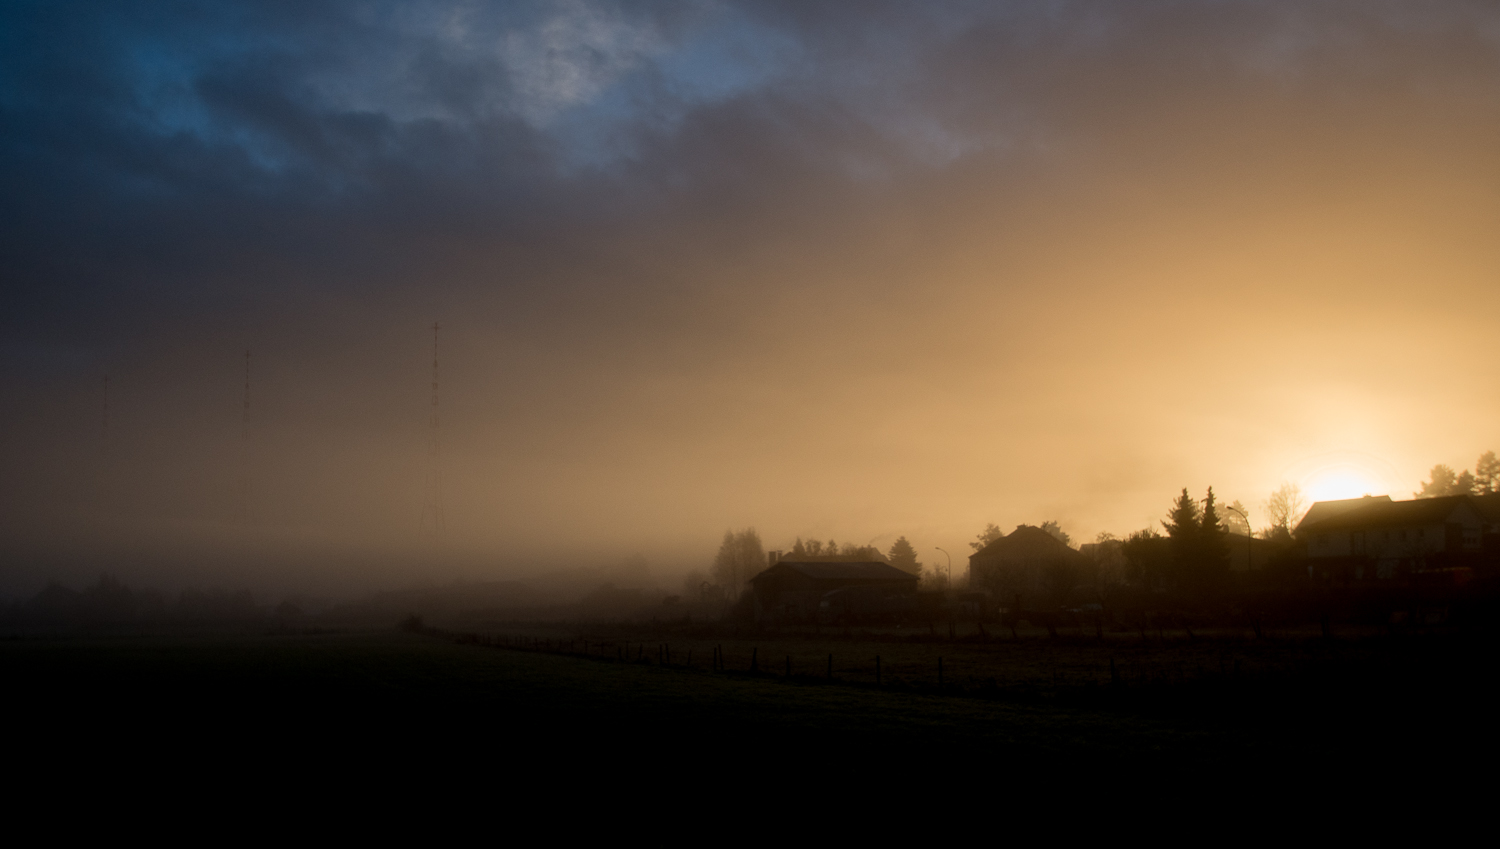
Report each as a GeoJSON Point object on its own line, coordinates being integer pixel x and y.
{"type": "Point", "coordinates": [740, 558]}
{"type": "Point", "coordinates": [904, 557]}
{"type": "Point", "coordinates": [1442, 480]}
{"type": "Point", "coordinates": [1184, 519]}
{"type": "Point", "coordinates": [1284, 508]}
{"type": "Point", "coordinates": [1213, 548]}
{"type": "Point", "coordinates": [991, 533]}
{"type": "Point", "coordinates": [1057, 533]}
{"type": "Point", "coordinates": [1487, 474]}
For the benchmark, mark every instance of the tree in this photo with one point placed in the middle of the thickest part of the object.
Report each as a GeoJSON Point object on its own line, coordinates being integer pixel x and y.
{"type": "Point", "coordinates": [1213, 548]}
{"type": "Point", "coordinates": [1442, 480]}
{"type": "Point", "coordinates": [1465, 483]}
{"type": "Point", "coordinates": [1058, 533]}
{"type": "Point", "coordinates": [1284, 508]}
{"type": "Point", "coordinates": [1184, 519]}
{"type": "Point", "coordinates": [904, 557]}
{"type": "Point", "coordinates": [819, 550]}
{"type": "Point", "coordinates": [740, 558]}
{"type": "Point", "coordinates": [1487, 474]}
{"type": "Point", "coordinates": [1146, 556]}
{"type": "Point", "coordinates": [1200, 553]}
{"type": "Point", "coordinates": [1235, 519]}
{"type": "Point", "coordinates": [991, 533]}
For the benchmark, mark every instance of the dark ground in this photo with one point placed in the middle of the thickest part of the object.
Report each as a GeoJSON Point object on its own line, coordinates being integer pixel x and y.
{"type": "Point", "coordinates": [393, 701]}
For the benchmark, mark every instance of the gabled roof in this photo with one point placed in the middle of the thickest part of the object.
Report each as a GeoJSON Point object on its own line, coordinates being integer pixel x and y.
{"type": "Point", "coordinates": [1324, 510]}
{"type": "Point", "coordinates": [868, 570]}
{"type": "Point", "coordinates": [1383, 512]}
{"type": "Point", "coordinates": [1026, 541]}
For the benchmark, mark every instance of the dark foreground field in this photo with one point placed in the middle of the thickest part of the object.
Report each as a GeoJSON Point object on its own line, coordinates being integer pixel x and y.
{"type": "Point", "coordinates": [396, 701]}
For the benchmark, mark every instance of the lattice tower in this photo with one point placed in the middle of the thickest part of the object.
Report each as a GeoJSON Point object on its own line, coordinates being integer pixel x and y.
{"type": "Point", "coordinates": [432, 503]}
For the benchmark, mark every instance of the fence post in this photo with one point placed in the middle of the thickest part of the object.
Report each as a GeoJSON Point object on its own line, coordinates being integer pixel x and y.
{"type": "Point", "coordinates": [877, 670]}
{"type": "Point", "coordinates": [830, 666]}
{"type": "Point", "coordinates": [754, 661]}
{"type": "Point", "coordinates": [940, 673]}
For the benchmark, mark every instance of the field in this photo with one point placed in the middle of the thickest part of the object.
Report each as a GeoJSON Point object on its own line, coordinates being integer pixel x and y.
{"type": "Point", "coordinates": [536, 695]}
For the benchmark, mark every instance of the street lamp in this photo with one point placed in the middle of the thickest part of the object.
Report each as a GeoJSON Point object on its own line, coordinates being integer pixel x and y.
{"type": "Point", "coordinates": [950, 564]}
{"type": "Point", "coordinates": [1249, 537]}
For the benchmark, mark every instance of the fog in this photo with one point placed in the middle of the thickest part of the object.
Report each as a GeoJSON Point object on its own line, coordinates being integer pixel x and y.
{"type": "Point", "coordinates": [853, 272]}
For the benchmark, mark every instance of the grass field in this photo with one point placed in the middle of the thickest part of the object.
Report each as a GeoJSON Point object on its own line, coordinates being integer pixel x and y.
{"type": "Point", "coordinates": [395, 697]}
{"type": "Point", "coordinates": [308, 688]}
{"type": "Point", "coordinates": [1028, 663]}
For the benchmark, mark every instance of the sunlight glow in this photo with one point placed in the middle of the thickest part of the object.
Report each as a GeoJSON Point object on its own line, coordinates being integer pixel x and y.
{"type": "Point", "coordinates": [1342, 481]}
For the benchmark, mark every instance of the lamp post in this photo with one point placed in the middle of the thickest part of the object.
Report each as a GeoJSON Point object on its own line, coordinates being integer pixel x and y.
{"type": "Point", "coordinates": [950, 564]}
{"type": "Point", "coordinates": [1249, 537]}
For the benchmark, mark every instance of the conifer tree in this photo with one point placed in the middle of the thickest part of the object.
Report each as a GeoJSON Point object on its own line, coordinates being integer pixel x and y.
{"type": "Point", "coordinates": [1487, 474]}
{"type": "Point", "coordinates": [904, 557]}
{"type": "Point", "coordinates": [1184, 519]}
{"type": "Point", "coordinates": [1213, 547]}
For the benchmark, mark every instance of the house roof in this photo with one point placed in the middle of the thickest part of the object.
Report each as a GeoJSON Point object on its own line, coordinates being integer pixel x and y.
{"type": "Point", "coordinates": [1356, 513]}
{"type": "Point", "coordinates": [840, 571]}
{"type": "Point", "coordinates": [1026, 541]}
{"type": "Point", "coordinates": [1488, 506]}
{"type": "Point", "coordinates": [1324, 510]}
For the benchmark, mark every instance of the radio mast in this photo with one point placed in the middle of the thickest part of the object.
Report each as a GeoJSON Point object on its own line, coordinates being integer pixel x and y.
{"type": "Point", "coordinates": [432, 503]}
{"type": "Point", "coordinates": [244, 487]}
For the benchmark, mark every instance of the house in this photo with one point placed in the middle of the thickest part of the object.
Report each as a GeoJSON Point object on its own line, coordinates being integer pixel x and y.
{"type": "Point", "coordinates": [832, 591]}
{"type": "Point", "coordinates": [1377, 538]}
{"type": "Point", "coordinates": [1028, 562]}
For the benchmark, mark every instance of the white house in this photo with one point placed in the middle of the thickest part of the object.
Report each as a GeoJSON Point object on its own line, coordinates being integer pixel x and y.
{"type": "Point", "coordinates": [1391, 536]}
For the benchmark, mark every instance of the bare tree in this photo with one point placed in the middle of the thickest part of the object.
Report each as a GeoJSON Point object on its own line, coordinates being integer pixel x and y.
{"type": "Point", "coordinates": [1284, 508]}
{"type": "Point", "coordinates": [740, 558]}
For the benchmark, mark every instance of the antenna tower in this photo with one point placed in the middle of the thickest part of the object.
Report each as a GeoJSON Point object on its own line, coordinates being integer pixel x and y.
{"type": "Point", "coordinates": [244, 488]}
{"type": "Point", "coordinates": [432, 505]}
{"type": "Point", "coordinates": [101, 473]}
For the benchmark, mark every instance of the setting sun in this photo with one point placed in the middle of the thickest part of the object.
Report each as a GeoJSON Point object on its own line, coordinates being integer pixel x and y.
{"type": "Point", "coordinates": [1343, 481]}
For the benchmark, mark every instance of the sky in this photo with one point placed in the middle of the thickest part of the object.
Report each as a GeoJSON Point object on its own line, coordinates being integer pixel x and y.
{"type": "Point", "coordinates": [836, 270]}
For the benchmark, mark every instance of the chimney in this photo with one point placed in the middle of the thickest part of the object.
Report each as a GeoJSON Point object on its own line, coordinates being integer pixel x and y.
{"type": "Point", "coordinates": [774, 557]}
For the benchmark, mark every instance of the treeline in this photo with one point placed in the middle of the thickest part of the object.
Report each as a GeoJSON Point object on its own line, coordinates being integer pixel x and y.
{"type": "Point", "coordinates": [1484, 480]}
{"type": "Point", "coordinates": [742, 556]}
{"type": "Point", "coordinates": [109, 604]}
